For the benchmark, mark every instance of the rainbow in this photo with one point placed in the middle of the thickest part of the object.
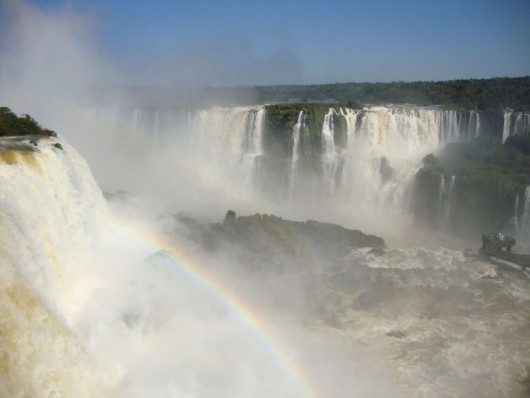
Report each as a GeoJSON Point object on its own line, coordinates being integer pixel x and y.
{"type": "Point", "coordinates": [196, 273]}
{"type": "Point", "coordinates": [247, 316]}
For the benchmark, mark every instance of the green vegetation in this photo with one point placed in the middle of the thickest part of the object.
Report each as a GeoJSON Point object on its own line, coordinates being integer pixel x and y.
{"type": "Point", "coordinates": [489, 176]}
{"type": "Point", "coordinates": [494, 94]}
{"type": "Point", "coordinates": [278, 140]}
{"type": "Point", "coordinates": [281, 119]}
{"type": "Point", "coordinates": [279, 126]}
{"type": "Point", "coordinates": [12, 125]}
{"type": "Point", "coordinates": [470, 94]}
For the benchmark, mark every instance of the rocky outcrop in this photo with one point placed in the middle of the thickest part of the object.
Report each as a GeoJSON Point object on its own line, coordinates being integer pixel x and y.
{"type": "Point", "coordinates": [260, 240]}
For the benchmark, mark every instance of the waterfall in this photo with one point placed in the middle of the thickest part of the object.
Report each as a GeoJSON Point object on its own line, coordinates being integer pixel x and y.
{"type": "Point", "coordinates": [229, 142]}
{"type": "Point", "coordinates": [522, 230]}
{"type": "Point", "coordinates": [299, 127]}
{"type": "Point", "coordinates": [229, 145]}
{"type": "Point", "coordinates": [252, 146]}
{"type": "Point", "coordinates": [522, 124]}
{"type": "Point", "coordinates": [449, 129]}
{"type": "Point", "coordinates": [515, 123]}
{"type": "Point", "coordinates": [50, 210]}
{"type": "Point", "coordinates": [329, 153]}
{"type": "Point", "coordinates": [399, 135]}
{"type": "Point", "coordinates": [506, 126]}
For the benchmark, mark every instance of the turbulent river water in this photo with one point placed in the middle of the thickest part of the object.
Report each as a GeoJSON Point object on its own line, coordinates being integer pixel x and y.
{"type": "Point", "coordinates": [113, 299]}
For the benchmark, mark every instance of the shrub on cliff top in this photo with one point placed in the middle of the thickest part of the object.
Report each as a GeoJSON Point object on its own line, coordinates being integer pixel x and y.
{"type": "Point", "coordinates": [12, 125]}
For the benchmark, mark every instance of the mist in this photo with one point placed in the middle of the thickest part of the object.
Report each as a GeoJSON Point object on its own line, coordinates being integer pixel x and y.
{"type": "Point", "coordinates": [146, 289]}
{"type": "Point", "coordinates": [147, 324]}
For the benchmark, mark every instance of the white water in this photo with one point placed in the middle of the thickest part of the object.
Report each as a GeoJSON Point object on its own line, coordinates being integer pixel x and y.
{"type": "Point", "coordinates": [299, 128]}
{"type": "Point", "coordinates": [85, 315]}
{"type": "Point", "coordinates": [515, 123]}
{"type": "Point", "coordinates": [329, 154]}
{"type": "Point", "coordinates": [227, 145]}
{"type": "Point", "coordinates": [522, 221]}
{"type": "Point", "coordinates": [402, 136]}
{"type": "Point", "coordinates": [49, 215]}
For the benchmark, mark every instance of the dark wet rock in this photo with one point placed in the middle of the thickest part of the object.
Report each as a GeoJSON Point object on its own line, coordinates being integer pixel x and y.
{"type": "Point", "coordinates": [386, 171]}
{"type": "Point", "coordinates": [398, 334]}
{"type": "Point", "coordinates": [267, 240]}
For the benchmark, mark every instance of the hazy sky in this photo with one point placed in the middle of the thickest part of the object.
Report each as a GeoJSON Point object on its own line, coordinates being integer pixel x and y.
{"type": "Point", "coordinates": [225, 42]}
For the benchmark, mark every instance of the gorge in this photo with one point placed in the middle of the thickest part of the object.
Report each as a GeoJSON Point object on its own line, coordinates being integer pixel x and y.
{"type": "Point", "coordinates": [145, 289]}
{"type": "Point", "coordinates": [371, 160]}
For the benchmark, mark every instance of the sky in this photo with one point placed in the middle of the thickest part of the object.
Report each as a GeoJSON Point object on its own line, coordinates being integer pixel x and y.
{"type": "Point", "coordinates": [248, 42]}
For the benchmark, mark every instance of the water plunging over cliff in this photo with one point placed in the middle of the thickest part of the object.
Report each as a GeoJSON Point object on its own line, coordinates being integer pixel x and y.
{"type": "Point", "coordinates": [300, 128]}
{"type": "Point", "coordinates": [329, 154]}
{"type": "Point", "coordinates": [50, 210]}
{"type": "Point", "coordinates": [361, 160]}
{"type": "Point", "coordinates": [522, 221]}
{"type": "Point", "coordinates": [515, 123]}
{"type": "Point", "coordinates": [91, 308]}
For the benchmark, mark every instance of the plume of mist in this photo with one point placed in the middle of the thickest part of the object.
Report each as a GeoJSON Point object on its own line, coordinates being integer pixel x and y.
{"type": "Point", "coordinates": [49, 59]}
{"type": "Point", "coordinates": [52, 65]}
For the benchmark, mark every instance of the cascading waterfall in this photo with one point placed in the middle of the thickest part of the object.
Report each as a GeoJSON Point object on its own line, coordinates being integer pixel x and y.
{"type": "Point", "coordinates": [376, 162]}
{"type": "Point", "coordinates": [77, 325]}
{"type": "Point", "coordinates": [329, 153]}
{"type": "Point", "coordinates": [151, 127]}
{"type": "Point", "coordinates": [252, 146]}
{"type": "Point", "coordinates": [522, 124]}
{"type": "Point", "coordinates": [231, 137]}
{"type": "Point", "coordinates": [515, 123]}
{"type": "Point", "coordinates": [474, 125]}
{"type": "Point", "coordinates": [385, 146]}
{"type": "Point", "coordinates": [298, 128]}
{"type": "Point", "coordinates": [506, 126]}
{"type": "Point", "coordinates": [50, 207]}
{"type": "Point", "coordinates": [522, 220]}
{"type": "Point", "coordinates": [84, 315]}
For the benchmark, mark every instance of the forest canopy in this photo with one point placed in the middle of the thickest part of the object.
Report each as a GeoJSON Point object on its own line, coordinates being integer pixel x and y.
{"type": "Point", "coordinates": [495, 94]}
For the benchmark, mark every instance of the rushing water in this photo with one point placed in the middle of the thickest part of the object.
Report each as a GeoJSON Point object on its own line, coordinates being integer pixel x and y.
{"type": "Point", "coordinates": [371, 172]}
{"type": "Point", "coordinates": [299, 129]}
{"type": "Point", "coordinates": [116, 299]}
{"type": "Point", "coordinates": [515, 123]}
{"type": "Point", "coordinates": [91, 308]}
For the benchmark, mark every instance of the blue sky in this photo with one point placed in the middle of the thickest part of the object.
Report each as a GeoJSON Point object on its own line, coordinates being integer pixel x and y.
{"type": "Point", "coordinates": [228, 42]}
